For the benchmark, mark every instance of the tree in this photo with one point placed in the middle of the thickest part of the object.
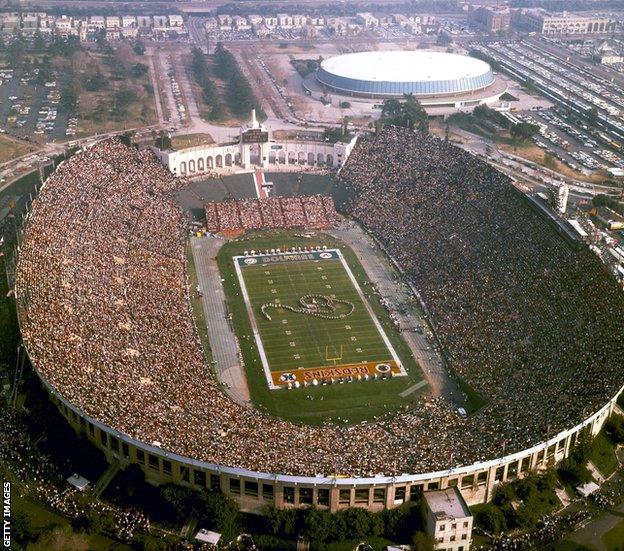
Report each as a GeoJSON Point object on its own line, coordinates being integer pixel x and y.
{"type": "Point", "coordinates": [422, 542]}
{"type": "Point", "coordinates": [282, 522]}
{"type": "Point", "coordinates": [100, 40]}
{"type": "Point", "coordinates": [139, 48]}
{"type": "Point", "coordinates": [614, 429]}
{"type": "Point", "coordinates": [20, 527]}
{"type": "Point", "coordinates": [45, 74]}
{"type": "Point", "coordinates": [163, 142]}
{"type": "Point", "coordinates": [139, 70]}
{"type": "Point", "coordinates": [96, 82]}
{"type": "Point", "coordinates": [358, 522]}
{"type": "Point", "coordinates": [318, 526]}
{"type": "Point", "coordinates": [69, 99]}
{"type": "Point", "coordinates": [592, 116]}
{"type": "Point", "coordinates": [122, 99]}
{"type": "Point", "coordinates": [407, 113]}
{"type": "Point", "coordinates": [15, 51]}
{"type": "Point", "coordinates": [443, 39]}
{"type": "Point", "coordinates": [550, 160]}
{"type": "Point", "coordinates": [489, 518]}
{"type": "Point", "coordinates": [38, 42]}
{"type": "Point", "coordinates": [218, 511]}
{"type": "Point", "coordinates": [523, 130]}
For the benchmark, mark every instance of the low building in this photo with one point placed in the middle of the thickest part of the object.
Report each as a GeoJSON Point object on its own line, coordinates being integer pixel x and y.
{"type": "Point", "coordinates": [490, 19]}
{"type": "Point", "coordinates": [46, 24]}
{"type": "Point", "coordinates": [240, 23]}
{"type": "Point", "coordinates": [609, 219]}
{"type": "Point", "coordinates": [317, 21]}
{"type": "Point", "coordinates": [255, 147]}
{"type": "Point", "coordinates": [113, 22]}
{"type": "Point", "coordinates": [97, 22]}
{"type": "Point", "coordinates": [607, 55]}
{"type": "Point", "coordinates": [176, 21]}
{"type": "Point", "coordinates": [255, 19]}
{"type": "Point", "coordinates": [385, 20]}
{"type": "Point", "coordinates": [225, 22]}
{"type": "Point", "coordinates": [542, 22]}
{"type": "Point", "coordinates": [128, 21]}
{"type": "Point", "coordinates": [299, 21]}
{"type": "Point", "coordinates": [270, 22]}
{"type": "Point", "coordinates": [448, 519]}
{"type": "Point", "coordinates": [63, 25]}
{"type": "Point", "coordinates": [144, 21]}
{"type": "Point", "coordinates": [161, 22]}
{"type": "Point", "coordinates": [9, 22]}
{"type": "Point", "coordinates": [284, 20]}
{"type": "Point", "coordinates": [211, 24]}
{"type": "Point", "coordinates": [368, 20]}
{"type": "Point", "coordinates": [30, 22]}
{"type": "Point", "coordinates": [129, 32]}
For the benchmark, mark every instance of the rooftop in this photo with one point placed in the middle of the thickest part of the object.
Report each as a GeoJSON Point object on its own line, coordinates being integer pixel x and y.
{"type": "Point", "coordinates": [405, 66]}
{"type": "Point", "coordinates": [447, 504]}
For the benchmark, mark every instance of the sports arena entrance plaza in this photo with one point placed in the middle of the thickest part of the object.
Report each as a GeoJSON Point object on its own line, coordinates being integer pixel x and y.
{"type": "Point", "coordinates": [524, 318]}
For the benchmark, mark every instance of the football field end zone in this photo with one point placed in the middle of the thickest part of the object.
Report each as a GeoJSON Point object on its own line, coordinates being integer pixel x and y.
{"type": "Point", "coordinates": [396, 368]}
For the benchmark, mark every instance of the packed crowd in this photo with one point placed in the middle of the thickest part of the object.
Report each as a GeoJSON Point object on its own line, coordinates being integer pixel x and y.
{"type": "Point", "coordinates": [526, 319]}
{"type": "Point", "coordinates": [38, 475]}
{"type": "Point", "coordinates": [105, 313]}
{"type": "Point", "coordinates": [316, 211]}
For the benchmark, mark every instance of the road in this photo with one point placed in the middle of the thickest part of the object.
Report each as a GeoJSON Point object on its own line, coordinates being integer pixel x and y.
{"type": "Point", "coordinates": [156, 88]}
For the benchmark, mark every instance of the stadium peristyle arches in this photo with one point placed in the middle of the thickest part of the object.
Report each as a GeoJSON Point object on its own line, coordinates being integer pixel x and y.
{"type": "Point", "coordinates": [245, 153]}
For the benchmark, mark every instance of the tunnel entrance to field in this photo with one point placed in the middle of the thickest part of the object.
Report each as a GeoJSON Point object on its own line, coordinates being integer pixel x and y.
{"type": "Point", "coordinates": [255, 154]}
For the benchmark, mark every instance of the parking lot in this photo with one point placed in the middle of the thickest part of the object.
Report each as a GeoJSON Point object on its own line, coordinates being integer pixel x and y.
{"type": "Point", "coordinates": [29, 108]}
{"type": "Point", "coordinates": [567, 131]}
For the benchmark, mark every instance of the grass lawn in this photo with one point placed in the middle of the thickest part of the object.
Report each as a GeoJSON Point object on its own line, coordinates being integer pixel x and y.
{"type": "Point", "coordinates": [298, 339]}
{"type": "Point", "coordinates": [11, 148]}
{"type": "Point", "coordinates": [95, 109]}
{"type": "Point", "coordinates": [41, 519]}
{"type": "Point", "coordinates": [349, 403]}
{"type": "Point", "coordinates": [567, 545]}
{"type": "Point", "coordinates": [191, 140]}
{"type": "Point", "coordinates": [614, 538]}
{"type": "Point", "coordinates": [603, 455]}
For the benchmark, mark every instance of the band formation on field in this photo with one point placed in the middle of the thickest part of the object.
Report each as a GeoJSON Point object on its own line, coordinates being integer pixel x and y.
{"type": "Point", "coordinates": [310, 320]}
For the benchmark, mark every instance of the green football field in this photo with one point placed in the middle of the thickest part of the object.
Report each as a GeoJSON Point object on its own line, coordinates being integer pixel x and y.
{"type": "Point", "coordinates": [341, 403]}
{"type": "Point", "coordinates": [305, 339]}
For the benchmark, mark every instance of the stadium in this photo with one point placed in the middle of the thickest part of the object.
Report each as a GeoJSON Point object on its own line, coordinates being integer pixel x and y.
{"type": "Point", "coordinates": [525, 319]}
{"type": "Point", "coordinates": [425, 74]}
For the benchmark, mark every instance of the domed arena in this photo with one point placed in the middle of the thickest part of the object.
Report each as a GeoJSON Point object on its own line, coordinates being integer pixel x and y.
{"type": "Point", "coordinates": [422, 73]}
{"type": "Point", "coordinates": [524, 317]}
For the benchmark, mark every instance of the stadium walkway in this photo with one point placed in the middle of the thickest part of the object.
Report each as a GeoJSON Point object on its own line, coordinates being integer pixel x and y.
{"type": "Point", "coordinates": [380, 274]}
{"type": "Point", "coordinates": [220, 334]}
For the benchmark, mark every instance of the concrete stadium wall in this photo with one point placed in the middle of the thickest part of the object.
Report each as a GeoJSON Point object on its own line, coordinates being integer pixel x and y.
{"type": "Point", "coordinates": [254, 490]}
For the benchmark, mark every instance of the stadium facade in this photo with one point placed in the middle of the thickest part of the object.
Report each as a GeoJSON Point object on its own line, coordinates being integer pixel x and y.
{"type": "Point", "coordinates": [255, 147]}
{"type": "Point", "coordinates": [254, 490]}
{"type": "Point", "coordinates": [386, 74]}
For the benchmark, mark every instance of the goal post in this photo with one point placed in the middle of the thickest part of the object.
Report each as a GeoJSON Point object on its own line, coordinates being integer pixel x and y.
{"type": "Point", "coordinates": [336, 357]}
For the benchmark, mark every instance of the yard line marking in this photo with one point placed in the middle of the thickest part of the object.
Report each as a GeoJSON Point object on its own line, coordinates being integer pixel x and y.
{"type": "Point", "coordinates": [413, 388]}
